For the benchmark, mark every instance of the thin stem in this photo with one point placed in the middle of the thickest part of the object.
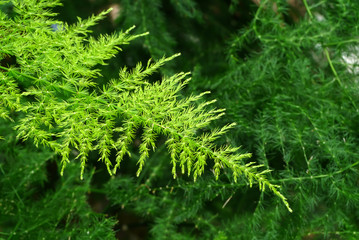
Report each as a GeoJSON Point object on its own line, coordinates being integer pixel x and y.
{"type": "Point", "coordinates": [337, 77]}
{"type": "Point", "coordinates": [342, 42]}
{"type": "Point", "coordinates": [332, 66]}
{"type": "Point", "coordinates": [308, 9]}
{"type": "Point", "coordinates": [33, 78]}
{"type": "Point", "coordinates": [20, 73]}
{"type": "Point", "coordinates": [261, 4]}
{"type": "Point", "coordinates": [318, 176]}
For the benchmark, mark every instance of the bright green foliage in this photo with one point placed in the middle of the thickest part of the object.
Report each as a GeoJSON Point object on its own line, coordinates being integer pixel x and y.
{"type": "Point", "coordinates": [65, 109]}
{"type": "Point", "coordinates": [52, 97]}
{"type": "Point", "coordinates": [283, 80]}
{"type": "Point", "coordinates": [286, 83]}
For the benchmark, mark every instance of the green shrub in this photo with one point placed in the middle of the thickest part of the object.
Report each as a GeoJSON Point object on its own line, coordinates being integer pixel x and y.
{"type": "Point", "coordinates": [281, 71]}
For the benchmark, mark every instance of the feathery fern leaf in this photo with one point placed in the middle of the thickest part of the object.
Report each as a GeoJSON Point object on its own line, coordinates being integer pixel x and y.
{"type": "Point", "coordinates": [54, 86]}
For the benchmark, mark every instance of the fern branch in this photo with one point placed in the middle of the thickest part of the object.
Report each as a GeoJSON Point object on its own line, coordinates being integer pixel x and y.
{"type": "Point", "coordinates": [65, 110]}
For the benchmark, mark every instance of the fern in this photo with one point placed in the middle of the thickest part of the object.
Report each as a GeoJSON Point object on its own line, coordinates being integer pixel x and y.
{"type": "Point", "coordinates": [286, 72]}
{"type": "Point", "coordinates": [288, 77]}
{"type": "Point", "coordinates": [53, 89]}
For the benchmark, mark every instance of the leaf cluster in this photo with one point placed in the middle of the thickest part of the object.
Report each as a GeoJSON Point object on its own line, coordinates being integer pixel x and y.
{"type": "Point", "coordinates": [51, 95]}
{"type": "Point", "coordinates": [290, 84]}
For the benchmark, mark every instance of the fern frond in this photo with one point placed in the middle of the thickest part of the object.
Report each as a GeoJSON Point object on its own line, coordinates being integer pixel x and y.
{"type": "Point", "coordinates": [64, 109]}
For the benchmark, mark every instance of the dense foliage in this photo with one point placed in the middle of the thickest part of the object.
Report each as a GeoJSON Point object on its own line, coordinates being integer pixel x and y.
{"type": "Point", "coordinates": [286, 73]}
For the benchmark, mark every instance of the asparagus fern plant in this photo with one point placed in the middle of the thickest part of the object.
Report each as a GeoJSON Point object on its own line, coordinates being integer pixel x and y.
{"type": "Point", "coordinates": [286, 71]}
{"type": "Point", "coordinates": [52, 96]}
{"type": "Point", "coordinates": [279, 68]}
